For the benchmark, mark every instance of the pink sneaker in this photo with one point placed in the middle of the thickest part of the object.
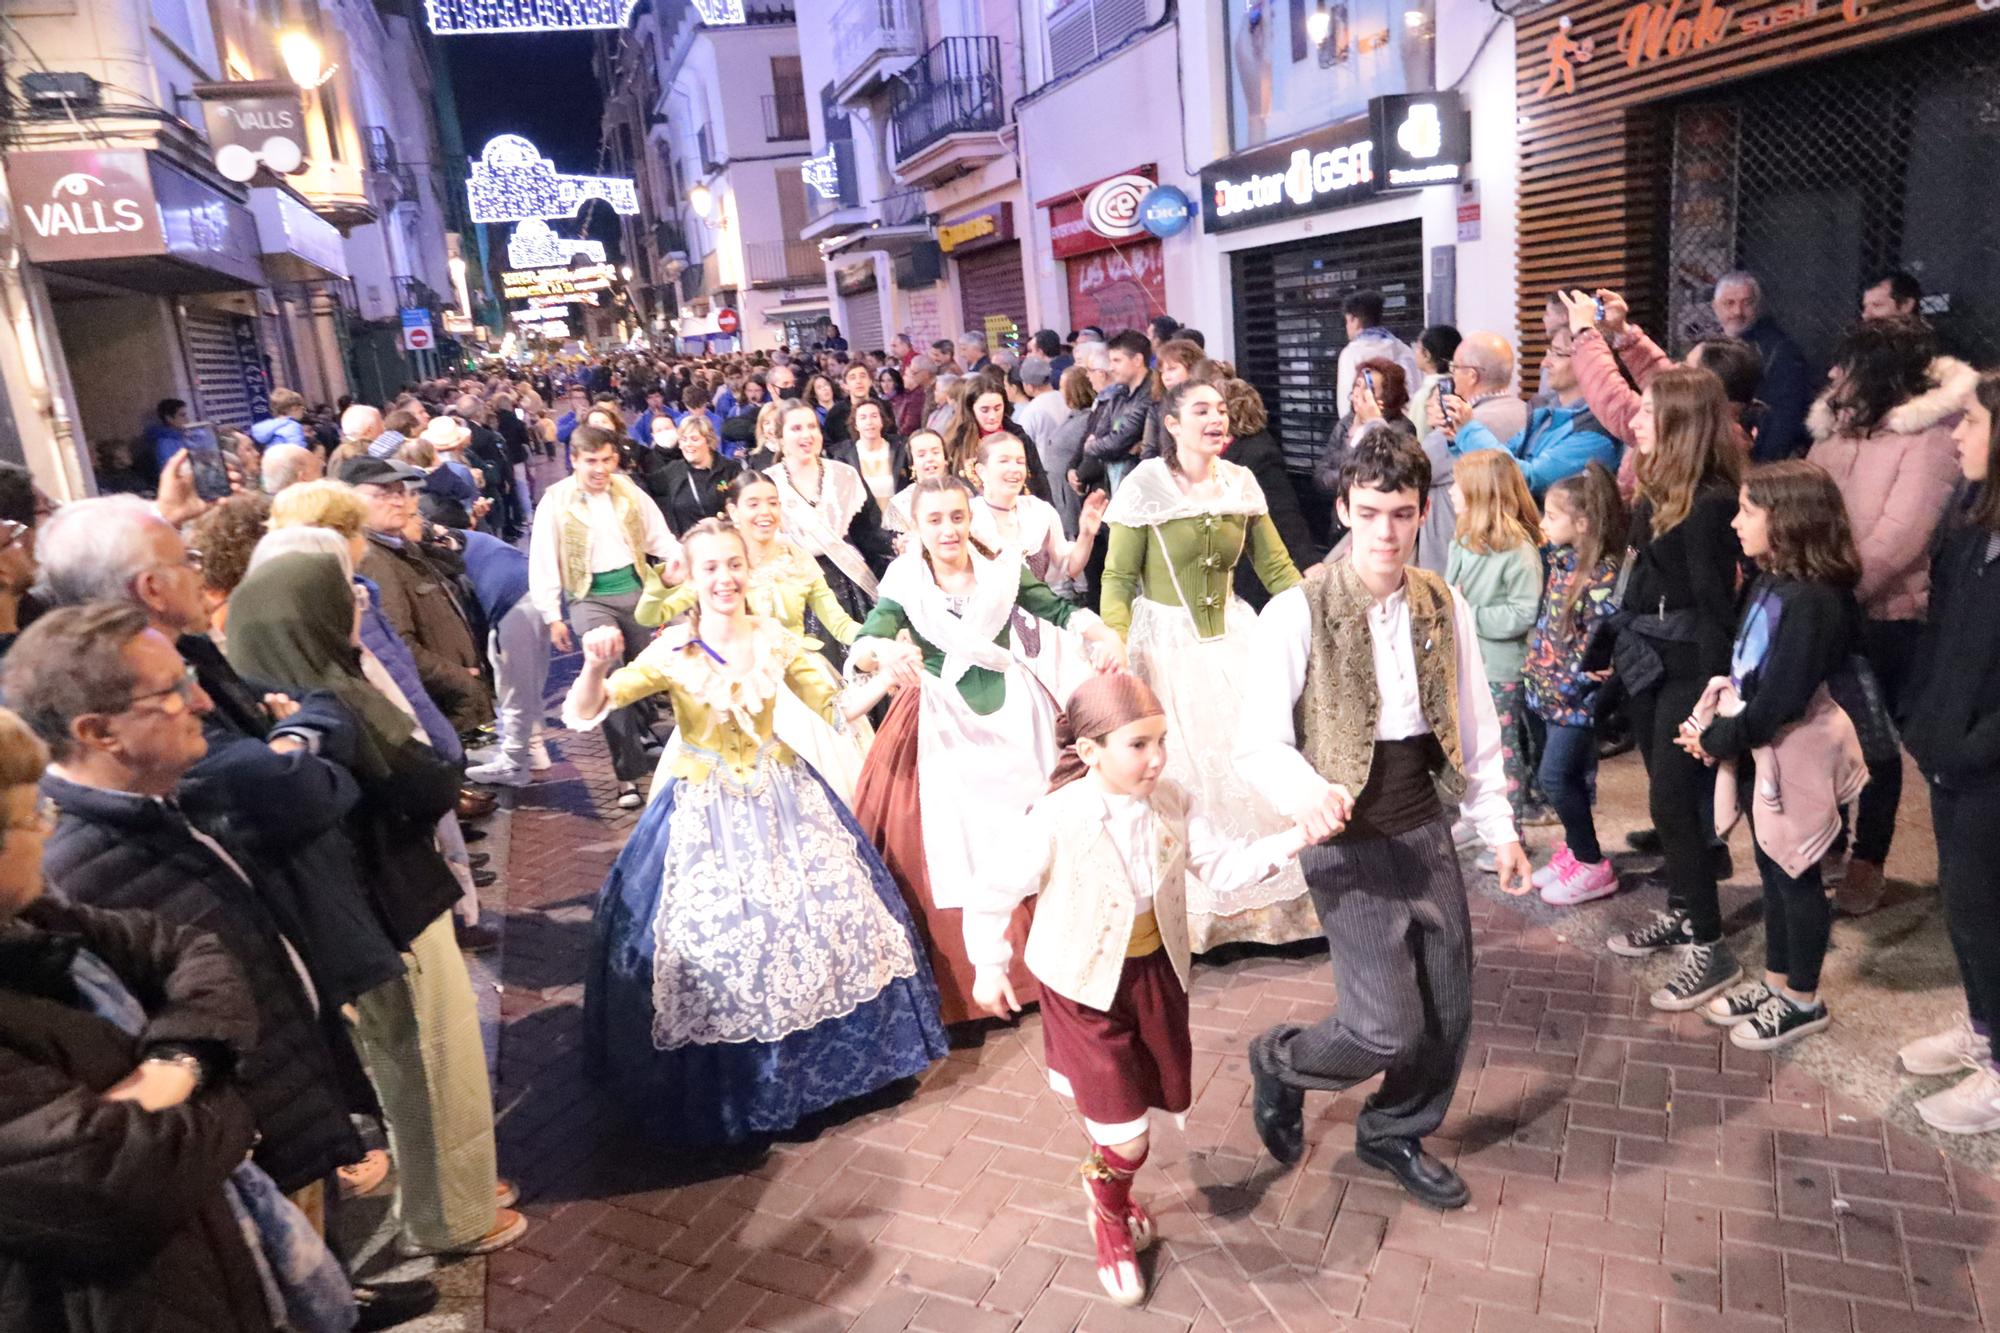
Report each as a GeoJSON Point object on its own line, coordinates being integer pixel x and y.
{"type": "Point", "coordinates": [1584, 883]}
{"type": "Point", "coordinates": [1558, 866]}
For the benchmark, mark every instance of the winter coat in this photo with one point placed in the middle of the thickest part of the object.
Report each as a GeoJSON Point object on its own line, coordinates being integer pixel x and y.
{"type": "Point", "coordinates": [1614, 402]}
{"type": "Point", "coordinates": [117, 851]}
{"type": "Point", "coordinates": [1266, 461]}
{"type": "Point", "coordinates": [1897, 482]}
{"type": "Point", "coordinates": [420, 601]}
{"type": "Point", "coordinates": [1557, 442]}
{"type": "Point", "coordinates": [1785, 391]}
{"type": "Point", "coordinates": [1952, 725]}
{"type": "Point", "coordinates": [113, 1219]}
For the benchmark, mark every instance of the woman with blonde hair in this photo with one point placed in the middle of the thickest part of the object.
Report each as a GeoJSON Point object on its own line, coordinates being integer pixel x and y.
{"type": "Point", "coordinates": [1495, 562]}
{"type": "Point", "coordinates": [1677, 623]}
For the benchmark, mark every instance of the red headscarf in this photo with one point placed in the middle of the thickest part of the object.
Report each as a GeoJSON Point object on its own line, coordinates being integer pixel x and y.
{"type": "Point", "coordinates": [1099, 707]}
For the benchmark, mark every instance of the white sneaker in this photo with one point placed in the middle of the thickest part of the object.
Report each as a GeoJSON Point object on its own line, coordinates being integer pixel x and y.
{"type": "Point", "coordinates": [1945, 1052]}
{"type": "Point", "coordinates": [499, 773]}
{"type": "Point", "coordinates": [629, 797]}
{"type": "Point", "coordinates": [484, 754]}
{"type": "Point", "coordinates": [538, 757]}
{"type": "Point", "coordinates": [1969, 1106]}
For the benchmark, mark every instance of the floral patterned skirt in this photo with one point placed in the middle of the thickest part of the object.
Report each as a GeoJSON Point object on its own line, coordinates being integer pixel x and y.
{"type": "Point", "coordinates": [752, 962]}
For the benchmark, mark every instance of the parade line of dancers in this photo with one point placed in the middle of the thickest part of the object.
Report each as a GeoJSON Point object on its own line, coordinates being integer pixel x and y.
{"type": "Point", "coordinates": [1053, 807]}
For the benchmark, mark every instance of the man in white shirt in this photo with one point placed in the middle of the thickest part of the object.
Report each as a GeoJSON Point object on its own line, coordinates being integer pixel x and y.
{"type": "Point", "coordinates": [593, 533]}
{"type": "Point", "coordinates": [1366, 696]}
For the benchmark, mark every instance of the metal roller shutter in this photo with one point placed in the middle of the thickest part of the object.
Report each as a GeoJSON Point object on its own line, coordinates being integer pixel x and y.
{"type": "Point", "coordinates": [991, 287]}
{"type": "Point", "coordinates": [216, 348]}
{"type": "Point", "coordinates": [864, 323]}
{"type": "Point", "coordinates": [1289, 330]}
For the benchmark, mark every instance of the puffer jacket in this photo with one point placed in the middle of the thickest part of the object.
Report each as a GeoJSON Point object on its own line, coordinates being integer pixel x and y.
{"type": "Point", "coordinates": [112, 1218]}
{"type": "Point", "coordinates": [116, 851]}
{"type": "Point", "coordinates": [1897, 482]}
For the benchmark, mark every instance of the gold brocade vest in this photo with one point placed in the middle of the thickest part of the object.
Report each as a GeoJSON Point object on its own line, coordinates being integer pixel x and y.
{"type": "Point", "coordinates": [575, 534]}
{"type": "Point", "coordinates": [1339, 706]}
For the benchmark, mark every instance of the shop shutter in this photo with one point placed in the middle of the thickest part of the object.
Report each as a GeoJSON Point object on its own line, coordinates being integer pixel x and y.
{"type": "Point", "coordinates": [991, 286]}
{"type": "Point", "coordinates": [864, 323]}
{"type": "Point", "coordinates": [215, 353]}
{"type": "Point", "coordinates": [1289, 330]}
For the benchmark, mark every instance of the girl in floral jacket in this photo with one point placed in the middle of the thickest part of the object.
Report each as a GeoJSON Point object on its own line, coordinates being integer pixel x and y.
{"type": "Point", "coordinates": [1584, 521]}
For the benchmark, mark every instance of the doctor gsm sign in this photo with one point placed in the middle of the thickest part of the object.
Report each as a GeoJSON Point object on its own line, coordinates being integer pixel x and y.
{"type": "Point", "coordinates": [1403, 142]}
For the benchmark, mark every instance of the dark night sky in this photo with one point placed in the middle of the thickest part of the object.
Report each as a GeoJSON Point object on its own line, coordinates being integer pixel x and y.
{"type": "Point", "coordinates": [538, 86]}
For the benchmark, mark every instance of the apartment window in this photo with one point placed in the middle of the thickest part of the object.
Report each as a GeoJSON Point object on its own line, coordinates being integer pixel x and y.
{"type": "Point", "coordinates": [1082, 30]}
{"type": "Point", "coordinates": [1296, 64]}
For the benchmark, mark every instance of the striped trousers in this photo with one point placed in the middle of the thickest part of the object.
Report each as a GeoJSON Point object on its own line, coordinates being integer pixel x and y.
{"type": "Point", "coordinates": [1394, 913]}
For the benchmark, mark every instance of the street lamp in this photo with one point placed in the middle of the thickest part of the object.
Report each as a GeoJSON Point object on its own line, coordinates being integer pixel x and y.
{"type": "Point", "coordinates": [303, 59]}
{"type": "Point", "coordinates": [1319, 24]}
{"type": "Point", "coordinates": [701, 199]}
{"type": "Point", "coordinates": [626, 272]}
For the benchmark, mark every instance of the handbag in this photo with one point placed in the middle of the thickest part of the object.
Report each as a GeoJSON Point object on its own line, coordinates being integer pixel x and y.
{"type": "Point", "coordinates": [1859, 694]}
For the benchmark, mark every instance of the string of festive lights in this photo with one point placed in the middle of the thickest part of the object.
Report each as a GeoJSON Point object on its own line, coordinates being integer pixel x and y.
{"type": "Point", "coordinates": [462, 16]}
{"type": "Point", "coordinates": [535, 244]}
{"type": "Point", "coordinates": [512, 182]}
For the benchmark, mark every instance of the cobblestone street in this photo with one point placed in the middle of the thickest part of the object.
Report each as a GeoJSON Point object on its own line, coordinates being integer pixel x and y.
{"type": "Point", "coordinates": [1631, 1171]}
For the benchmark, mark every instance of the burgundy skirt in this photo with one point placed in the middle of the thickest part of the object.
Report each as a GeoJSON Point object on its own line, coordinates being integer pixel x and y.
{"type": "Point", "coordinates": [1135, 1056]}
{"type": "Point", "coordinates": [887, 805]}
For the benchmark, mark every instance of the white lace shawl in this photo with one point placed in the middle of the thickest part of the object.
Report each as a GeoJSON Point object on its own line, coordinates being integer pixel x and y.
{"type": "Point", "coordinates": [965, 639]}
{"type": "Point", "coordinates": [1150, 496]}
{"type": "Point", "coordinates": [821, 529]}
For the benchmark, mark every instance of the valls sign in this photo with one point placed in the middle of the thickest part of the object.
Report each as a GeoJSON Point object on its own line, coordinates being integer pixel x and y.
{"type": "Point", "coordinates": [252, 125]}
{"type": "Point", "coordinates": [1316, 171]}
{"type": "Point", "coordinates": [96, 204]}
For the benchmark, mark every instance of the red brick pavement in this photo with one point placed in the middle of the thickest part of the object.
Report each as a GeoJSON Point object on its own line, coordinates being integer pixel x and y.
{"type": "Point", "coordinates": [1631, 1172]}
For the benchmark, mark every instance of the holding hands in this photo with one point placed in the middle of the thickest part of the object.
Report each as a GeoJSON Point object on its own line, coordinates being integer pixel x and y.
{"type": "Point", "coordinates": [992, 991]}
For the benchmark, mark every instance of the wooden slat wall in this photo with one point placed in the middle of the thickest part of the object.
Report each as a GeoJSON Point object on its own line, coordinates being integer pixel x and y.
{"type": "Point", "coordinates": [1594, 189]}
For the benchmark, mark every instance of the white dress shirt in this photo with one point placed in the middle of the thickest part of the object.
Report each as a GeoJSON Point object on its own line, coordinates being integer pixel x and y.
{"type": "Point", "coordinates": [1267, 751]}
{"type": "Point", "coordinates": [607, 541]}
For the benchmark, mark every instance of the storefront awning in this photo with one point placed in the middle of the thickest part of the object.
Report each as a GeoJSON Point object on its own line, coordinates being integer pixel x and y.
{"type": "Point", "coordinates": [794, 311]}
{"type": "Point", "coordinates": [298, 244]}
{"type": "Point", "coordinates": [131, 218]}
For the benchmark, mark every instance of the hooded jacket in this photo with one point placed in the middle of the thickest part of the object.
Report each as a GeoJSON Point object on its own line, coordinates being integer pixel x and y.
{"type": "Point", "coordinates": [1557, 442]}
{"type": "Point", "coordinates": [112, 1218]}
{"type": "Point", "coordinates": [1896, 481]}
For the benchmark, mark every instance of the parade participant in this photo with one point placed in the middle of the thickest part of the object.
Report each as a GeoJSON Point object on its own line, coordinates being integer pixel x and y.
{"type": "Point", "coordinates": [1584, 522]}
{"type": "Point", "coordinates": [1365, 697]}
{"type": "Point", "coordinates": [1105, 858]}
{"type": "Point", "coordinates": [880, 460]}
{"type": "Point", "coordinates": [751, 961]}
{"type": "Point", "coordinates": [595, 535]}
{"type": "Point", "coordinates": [1179, 524]}
{"type": "Point", "coordinates": [1801, 624]}
{"type": "Point", "coordinates": [1004, 515]}
{"type": "Point", "coordinates": [974, 739]}
{"type": "Point", "coordinates": [928, 459]}
{"type": "Point", "coordinates": [786, 586]}
{"type": "Point", "coordinates": [827, 511]}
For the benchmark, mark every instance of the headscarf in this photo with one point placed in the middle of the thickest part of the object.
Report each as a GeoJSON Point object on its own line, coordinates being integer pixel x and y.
{"type": "Point", "coordinates": [1099, 706]}
{"type": "Point", "coordinates": [291, 622]}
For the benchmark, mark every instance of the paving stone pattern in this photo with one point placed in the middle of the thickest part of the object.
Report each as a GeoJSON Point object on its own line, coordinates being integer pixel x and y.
{"type": "Point", "coordinates": [1630, 1171]}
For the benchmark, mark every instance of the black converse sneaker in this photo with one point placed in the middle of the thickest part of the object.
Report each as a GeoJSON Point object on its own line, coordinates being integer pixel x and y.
{"type": "Point", "coordinates": [1705, 970]}
{"type": "Point", "coordinates": [1778, 1022]}
{"type": "Point", "coordinates": [1737, 1006]}
{"type": "Point", "coordinates": [1666, 930]}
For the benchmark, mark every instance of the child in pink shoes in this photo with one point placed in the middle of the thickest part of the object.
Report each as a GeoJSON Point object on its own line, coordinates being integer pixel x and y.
{"type": "Point", "coordinates": [1583, 520]}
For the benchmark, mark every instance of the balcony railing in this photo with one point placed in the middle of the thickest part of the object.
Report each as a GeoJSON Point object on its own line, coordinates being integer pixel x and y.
{"type": "Point", "coordinates": [415, 293]}
{"type": "Point", "coordinates": [381, 148]}
{"type": "Point", "coordinates": [785, 117]}
{"type": "Point", "coordinates": [781, 262]}
{"type": "Point", "coordinates": [953, 89]}
{"type": "Point", "coordinates": [866, 30]}
{"type": "Point", "coordinates": [904, 208]}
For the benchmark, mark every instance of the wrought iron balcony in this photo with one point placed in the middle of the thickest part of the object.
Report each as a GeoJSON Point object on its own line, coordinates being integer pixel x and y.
{"type": "Point", "coordinates": [415, 293]}
{"type": "Point", "coordinates": [953, 89]}
{"type": "Point", "coordinates": [785, 117]}
{"type": "Point", "coordinates": [870, 39]}
{"type": "Point", "coordinates": [381, 148]}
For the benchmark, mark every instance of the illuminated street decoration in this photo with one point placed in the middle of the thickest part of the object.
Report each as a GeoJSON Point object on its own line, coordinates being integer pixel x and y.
{"type": "Point", "coordinates": [462, 16]}
{"type": "Point", "coordinates": [720, 13]}
{"type": "Point", "coordinates": [513, 182]}
{"type": "Point", "coordinates": [526, 285]}
{"type": "Point", "coordinates": [823, 174]}
{"type": "Point", "coordinates": [535, 244]}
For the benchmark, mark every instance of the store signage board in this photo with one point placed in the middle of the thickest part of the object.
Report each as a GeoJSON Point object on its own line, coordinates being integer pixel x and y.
{"type": "Point", "coordinates": [84, 204]}
{"type": "Point", "coordinates": [252, 125]}
{"type": "Point", "coordinates": [1425, 139]}
{"type": "Point", "coordinates": [1324, 168]}
{"type": "Point", "coordinates": [1167, 211]}
{"type": "Point", "coordinates": [823, 174]}
{"type": "Point", "coordinates": [1075, 228]}
{"type": "Point", "coordinates": [989, 226]}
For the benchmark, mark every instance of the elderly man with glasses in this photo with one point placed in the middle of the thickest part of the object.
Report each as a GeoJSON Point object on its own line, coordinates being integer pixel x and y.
{"type": "Point", "coordinates": [1560, 437]}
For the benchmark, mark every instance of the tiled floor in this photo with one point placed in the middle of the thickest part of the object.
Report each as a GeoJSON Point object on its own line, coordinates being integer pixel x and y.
{"type": "Point", "coordinates": [1631, 1171]}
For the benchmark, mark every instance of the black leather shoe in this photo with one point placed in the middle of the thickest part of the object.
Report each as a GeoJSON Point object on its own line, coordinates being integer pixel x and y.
{"type": "Point", "coordinates": [1426, 1178]}
{"type": "Point", "coordinates": [386, 1304]}
{"type": "Point", "coordinates": [482, 879]}
{"type": "Point", "coordinates": [478, 860]}
{"type": "Point", "coordinates": [1279, 1114]}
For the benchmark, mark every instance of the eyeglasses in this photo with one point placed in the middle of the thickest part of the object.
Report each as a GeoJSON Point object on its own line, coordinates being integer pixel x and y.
{"type": "Point", "coordinates": [184, 690]}
{"type": "Point", "coordinates": [41, 820]}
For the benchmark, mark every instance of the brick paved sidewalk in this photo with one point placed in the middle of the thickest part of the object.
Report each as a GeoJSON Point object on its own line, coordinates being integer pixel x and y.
{"type": "Point", "coordinates": [1631, 1171]}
